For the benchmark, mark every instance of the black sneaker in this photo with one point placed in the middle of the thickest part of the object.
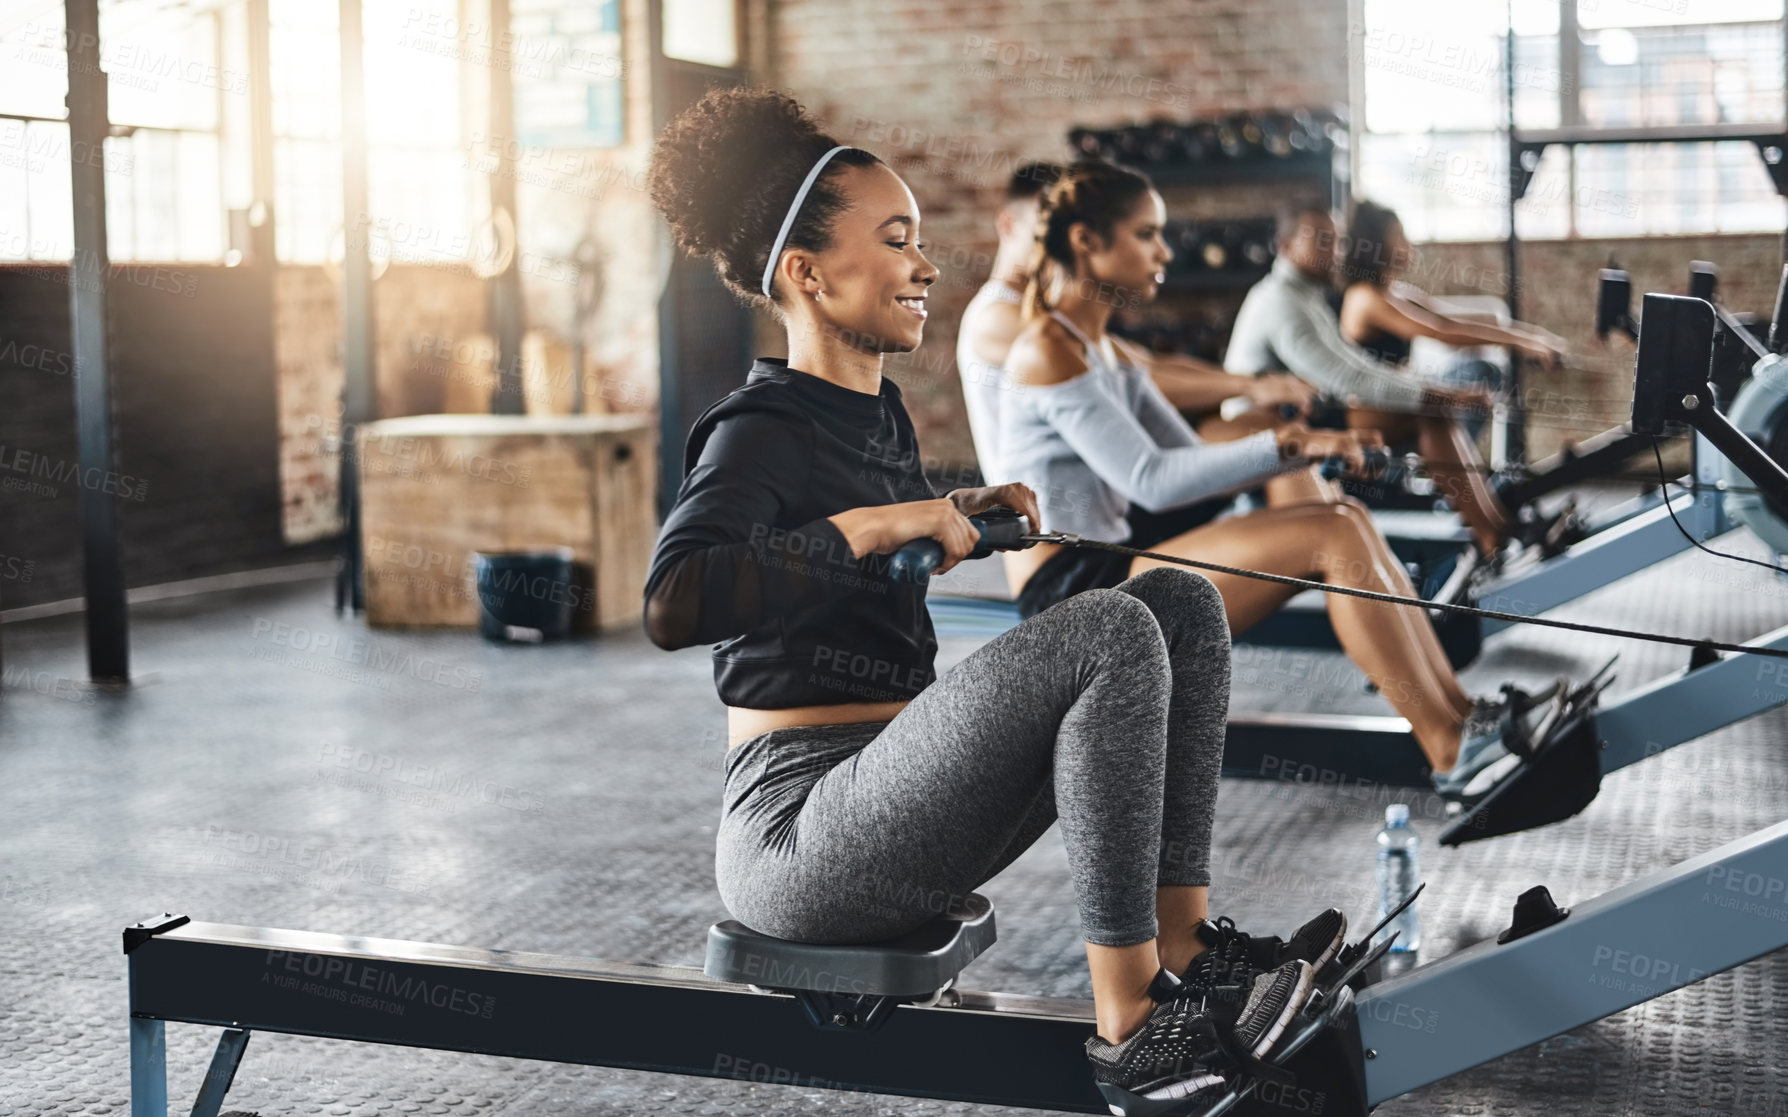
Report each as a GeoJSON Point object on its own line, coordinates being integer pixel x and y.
{"type": "Point", "coordinates": [1183, 1057]}
{"type": "Point", "coordinates": [1496, 734]}
{"type": "Point", "coordinates": [1549, 533]}
{"type": "Point", "coordinates": [1233, 957]}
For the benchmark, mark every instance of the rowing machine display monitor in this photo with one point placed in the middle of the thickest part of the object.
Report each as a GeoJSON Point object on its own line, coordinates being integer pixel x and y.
{"type": "Point", "coordinates": [1670, 379]}
{"type": "Point", "coordinates": [854, 986]}
{"type": "Point", "coordinates": [1703, 278]}
{"type": "Point", "coordinates": [1671, 385]}
{"type": "Point", "coordinates": [1614, 305]}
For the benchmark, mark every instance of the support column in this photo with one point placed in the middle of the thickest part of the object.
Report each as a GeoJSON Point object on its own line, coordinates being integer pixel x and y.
{"type": "Point", "coordinates": [505, 286]}
{"type": "Point", "coordinates": [260, 132]}
{"type": "Point", "coordinates": [357, 307]}
{"type": "Point", "coordinates": [108, 621]}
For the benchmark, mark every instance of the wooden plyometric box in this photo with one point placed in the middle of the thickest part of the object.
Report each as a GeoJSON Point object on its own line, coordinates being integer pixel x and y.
{"type": "Point", "coordinates": [436, 488]}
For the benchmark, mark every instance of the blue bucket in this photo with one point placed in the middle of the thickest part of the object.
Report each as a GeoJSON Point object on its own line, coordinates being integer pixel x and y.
{"type": "Point", "coordinates": [524, 597]}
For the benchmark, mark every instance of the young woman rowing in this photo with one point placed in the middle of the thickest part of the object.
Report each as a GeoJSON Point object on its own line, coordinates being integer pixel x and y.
{"type": "Point", "coordinates": [1087, 430]}
{"type": "Point", "coordinates": [863, 790]}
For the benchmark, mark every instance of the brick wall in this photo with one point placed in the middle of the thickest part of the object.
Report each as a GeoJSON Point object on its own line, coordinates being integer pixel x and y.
{"type": "Point", "coordinates": [1593, 391]}
{"type": "Point", "coordinates": [195, 469]}
{"type": "Point", "coordinates": [226, 384]}
{"type": "Point", "coordinates": [307, 353]}
{"type": "Point", "coordinates": [430, 354]}
{"type": "Point", "coordinates": [955, 96]}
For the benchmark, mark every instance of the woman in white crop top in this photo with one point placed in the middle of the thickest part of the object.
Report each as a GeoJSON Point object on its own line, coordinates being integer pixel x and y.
{"type": "Point", "coordinates": [1083, 425]}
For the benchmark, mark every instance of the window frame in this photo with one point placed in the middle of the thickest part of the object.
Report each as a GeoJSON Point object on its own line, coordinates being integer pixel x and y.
{"type": "Point", "coordinates": [1570, 63]}
{"type": "Point", "coordinates": [124, 163]}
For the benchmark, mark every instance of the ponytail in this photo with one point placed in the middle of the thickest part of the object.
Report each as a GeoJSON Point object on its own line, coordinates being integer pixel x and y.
{"type": "Point", "coordinates": [1091, 192]}
{"type": "Point", "coordinates": [1039, 277]}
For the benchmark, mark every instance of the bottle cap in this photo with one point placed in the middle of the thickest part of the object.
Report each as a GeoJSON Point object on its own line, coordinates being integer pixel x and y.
{"type": "Point", "coordinates": [1397, 814]}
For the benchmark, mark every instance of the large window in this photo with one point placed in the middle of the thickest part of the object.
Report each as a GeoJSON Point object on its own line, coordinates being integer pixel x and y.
{"type": "Point", "coordinates": [418, 184]}
{"type": "Point", "coordinates": [179, 157]}
{"type": "Point", "coordinates": [1436, 81]}
{"type": "Point", "coordinates": [306, 79]}
{"type": "Point", "coordinates": [169, 95]}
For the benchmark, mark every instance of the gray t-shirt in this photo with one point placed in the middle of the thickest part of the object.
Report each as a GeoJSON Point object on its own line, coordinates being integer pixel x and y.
{"type": "Point", "coordinates": [1285, 325]}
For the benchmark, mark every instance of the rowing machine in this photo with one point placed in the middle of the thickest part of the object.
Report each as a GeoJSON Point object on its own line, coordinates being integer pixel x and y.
{"type": "Point", "coordinates": [1650, 528]}
{"type": "Point", "coordinates": [1605, 453]}
{"type": "Point", "coordinates": [1604, 547]}
{"type": "Point", "coordinates": [1554, 969]}
{"type": "Point", "coordinates": [1678, 347]}
{"type": "Point", "coordinates": [882, 1017]}
{"type": "Point", "coordinates": [886, 1018]}
{"type": "Point", "coordinates": [1585, 743]}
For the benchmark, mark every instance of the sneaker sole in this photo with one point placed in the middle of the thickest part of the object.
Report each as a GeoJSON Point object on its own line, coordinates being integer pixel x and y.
{"type": "Point", "coordinates": [1334, 946]}
{"type": "Point", "coordinates": [1169, 1098]}
{"type": "Point", "coordinates": [1469, 793]}
{"type": "Point", "coordinates": [1320, 962]}
{"type": "Point", "coordinates": [1157, 1103]}
{"type": "Point", "coordinates": [1293, 1006]}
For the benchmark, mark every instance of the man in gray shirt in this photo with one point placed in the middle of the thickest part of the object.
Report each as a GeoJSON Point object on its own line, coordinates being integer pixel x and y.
{"type": "Point", "coordinates": [1285, 324]}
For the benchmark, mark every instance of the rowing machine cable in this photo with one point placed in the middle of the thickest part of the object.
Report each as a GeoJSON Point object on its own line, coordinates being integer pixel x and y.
{"type": "Point", "coordinates": [1393, 599]}
{"type": "Point", "coordinates": [1685, 531]}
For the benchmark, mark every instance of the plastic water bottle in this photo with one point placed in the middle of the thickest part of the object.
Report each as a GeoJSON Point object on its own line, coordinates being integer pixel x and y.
{"type": "Point", "coordinates": [1399, 871]}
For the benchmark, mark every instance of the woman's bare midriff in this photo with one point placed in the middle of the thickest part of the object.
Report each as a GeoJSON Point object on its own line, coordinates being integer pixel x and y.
{"type": "Point", "coordinates": [743, 723]}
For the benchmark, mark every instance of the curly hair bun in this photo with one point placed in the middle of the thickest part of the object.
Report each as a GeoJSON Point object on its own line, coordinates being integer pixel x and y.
{"type": "Point", "coordinates": [725, 170]}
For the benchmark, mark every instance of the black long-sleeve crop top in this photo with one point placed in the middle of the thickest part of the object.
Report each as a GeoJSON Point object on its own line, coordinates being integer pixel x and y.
{"type": "Point", "coordinates": [747, 557]}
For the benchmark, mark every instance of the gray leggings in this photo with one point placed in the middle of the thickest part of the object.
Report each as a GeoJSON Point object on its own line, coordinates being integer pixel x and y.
{"type": "Point", "coordinates": [1106, 710]}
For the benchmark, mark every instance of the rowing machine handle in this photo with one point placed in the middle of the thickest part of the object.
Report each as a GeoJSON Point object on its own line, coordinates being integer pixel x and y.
{"type": "Point", "coordinates": [1378, 460]}
{"type": "Point", "coordinates": [1002, 529]}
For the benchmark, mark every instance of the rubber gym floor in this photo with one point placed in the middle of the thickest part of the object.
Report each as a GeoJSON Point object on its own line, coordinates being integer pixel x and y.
{"type": "Point", "coordinates": [563, 798]}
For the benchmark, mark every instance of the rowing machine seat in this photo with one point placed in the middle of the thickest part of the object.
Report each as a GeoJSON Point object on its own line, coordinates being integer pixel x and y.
{"type": "Point", "coordinates": [916, 964]}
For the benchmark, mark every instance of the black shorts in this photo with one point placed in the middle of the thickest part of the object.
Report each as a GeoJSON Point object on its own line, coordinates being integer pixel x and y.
{"type": "Point", "coordinates": [1073, 570]}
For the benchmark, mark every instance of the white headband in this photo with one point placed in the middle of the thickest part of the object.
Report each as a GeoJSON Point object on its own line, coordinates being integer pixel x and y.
{"type": "Point", "coordinates": [794, 209]}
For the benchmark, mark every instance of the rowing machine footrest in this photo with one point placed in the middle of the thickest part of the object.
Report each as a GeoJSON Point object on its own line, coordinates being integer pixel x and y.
{"type": "Point", "coordinates": [916, 964]}
{"type": "Point", "coordinates": [1328, 1077]}
{"type": "Point", "coordinates": [1551, 786]}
